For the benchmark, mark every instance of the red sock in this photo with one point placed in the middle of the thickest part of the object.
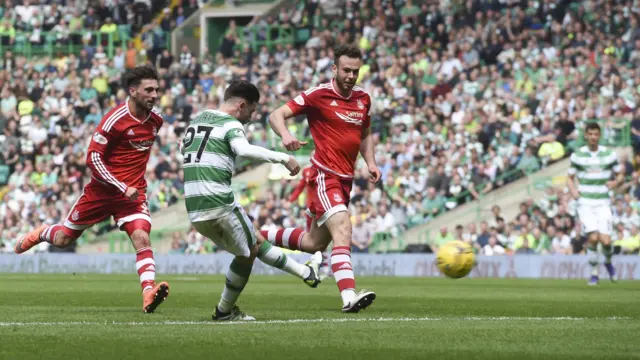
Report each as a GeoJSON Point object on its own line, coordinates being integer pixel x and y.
{"type": "Point", "coordinates": [146, 266]}
{"type": "Point", "coordinates": [49, 233]}
{"type": "Point", "coordinates": [289, 238]}
{"type": "Point", "coordinates": [341, 267]}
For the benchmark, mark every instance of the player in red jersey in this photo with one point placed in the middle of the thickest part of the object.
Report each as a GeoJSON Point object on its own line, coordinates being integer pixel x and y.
{"type": "Point", "coordinates": [118, 156]}
{"type": "Point", "coordinates": [338, 115]}
{"type": "Point", "coordinates": [304, 184]}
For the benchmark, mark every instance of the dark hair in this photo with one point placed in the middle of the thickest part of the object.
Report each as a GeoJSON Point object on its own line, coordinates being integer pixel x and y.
{"type": "Point", "coordinates": [592, 126]}
{"type": "Point", "coordinates": [244, 90]}
{"type": "Point", "coordinates": [134, 77]}
{"type": "Point", "coordinates": [350, 51]}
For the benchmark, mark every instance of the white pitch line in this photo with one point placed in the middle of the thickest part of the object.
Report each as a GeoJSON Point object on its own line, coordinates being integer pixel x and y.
{"type": "Point", "coordinates": [311, 321]}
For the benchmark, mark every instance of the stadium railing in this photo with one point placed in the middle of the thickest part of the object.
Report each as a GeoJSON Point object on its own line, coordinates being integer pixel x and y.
{"type": "Point", "coordinates": [273, 35]}
{"type": "Point", "coordinates": [283, 35]}
{"type": "Point", "coordinates": [616, 133]}
{"type": "Point", "coordinates": [52, 46]}
{"type": "Point", "coordinates": [478, 208]}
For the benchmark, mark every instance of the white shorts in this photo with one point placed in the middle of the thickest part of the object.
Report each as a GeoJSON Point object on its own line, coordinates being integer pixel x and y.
{"type": "Point", "coordinates": [596, 218]}
{"type": "Point", "coordinates": [233, 232]}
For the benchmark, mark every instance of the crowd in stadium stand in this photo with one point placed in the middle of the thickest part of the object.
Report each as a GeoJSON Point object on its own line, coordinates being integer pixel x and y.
{"type": "Point", "coordinates": [468, 96]}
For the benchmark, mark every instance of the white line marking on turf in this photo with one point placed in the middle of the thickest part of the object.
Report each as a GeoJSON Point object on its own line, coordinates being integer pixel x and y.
{"type": "Point", "coordinates": [312, 321]}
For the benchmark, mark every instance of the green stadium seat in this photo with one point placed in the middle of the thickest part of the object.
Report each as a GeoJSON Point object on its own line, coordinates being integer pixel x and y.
{"type": "Point", "coordinates": [302, 35]}
{"type": "Point", "coordinates": [4, 174]}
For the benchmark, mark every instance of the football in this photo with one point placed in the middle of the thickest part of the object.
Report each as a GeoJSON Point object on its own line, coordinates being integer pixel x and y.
{"type": "Point", "coordinates": [455, 259]}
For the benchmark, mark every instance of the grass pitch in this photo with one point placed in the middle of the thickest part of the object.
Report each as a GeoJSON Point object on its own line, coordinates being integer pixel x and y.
{"type": "Point", "coordinates": [99, 317]}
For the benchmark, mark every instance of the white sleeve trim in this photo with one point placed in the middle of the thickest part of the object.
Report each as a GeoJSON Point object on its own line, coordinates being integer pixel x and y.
{"type": "Point", "coordinates": [241, 147]}
{"type": "Point", "coordinates": [104, 173]}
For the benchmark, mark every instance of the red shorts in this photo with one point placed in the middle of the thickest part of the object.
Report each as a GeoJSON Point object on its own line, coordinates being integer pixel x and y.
{"type": "Point", "coordinates": [329, 194]}
{"type": "Point", "coordinates": [97, 202]}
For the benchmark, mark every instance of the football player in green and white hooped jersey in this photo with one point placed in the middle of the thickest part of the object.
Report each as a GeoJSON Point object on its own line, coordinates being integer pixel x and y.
{"type": "Point", "coordinates": [211, 142]}
{"type": "Point", "coordinates": [593, 174]}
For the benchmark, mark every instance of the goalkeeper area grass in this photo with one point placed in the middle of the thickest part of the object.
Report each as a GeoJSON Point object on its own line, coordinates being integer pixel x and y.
{"type": "Point", "coordinates": [100, 317]}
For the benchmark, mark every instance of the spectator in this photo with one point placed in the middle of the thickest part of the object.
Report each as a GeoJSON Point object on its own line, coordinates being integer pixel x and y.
{"type": "Point", "coordinates": [178, 245]}
{"type": "Point", "coordinates": [443, 237]}
{"type": "Point", "coordinates": [631, 243]}
{"type": "Point", "coordinates": [361, 236]}
{"type": "Point", "coordinates": [483, 237]}
{"type": "Point", "coordinates": [524, 248]}
{"type": "Point", "coordinates": [433, 204]}
{"type": "Point", "coordinates": [528, 163]}
{"type": "Point", "coordinates": [493, 247]}
{"type": "Point", "coordinates": [560, 242]}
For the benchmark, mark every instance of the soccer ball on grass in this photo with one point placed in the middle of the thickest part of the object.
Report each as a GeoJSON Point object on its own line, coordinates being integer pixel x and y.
{"type": "Point", "coordinates": [455, 259]}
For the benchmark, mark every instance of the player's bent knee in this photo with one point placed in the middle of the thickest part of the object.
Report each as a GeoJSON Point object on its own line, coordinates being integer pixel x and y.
{"type": "Point", "coordinates": [340, 227]}
{"type": "Point", "coordinates": [138, 231]}
{"type": "Point", "coordinates": [140, 239]}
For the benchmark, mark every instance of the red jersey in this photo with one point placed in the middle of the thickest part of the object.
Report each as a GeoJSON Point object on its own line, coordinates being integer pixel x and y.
{"type": "Point", "coordinates": [336, 124]}
{"type": "Point", "coordinates": [303, 184]}
{"type": "Point", "coordinates": [120, 148]}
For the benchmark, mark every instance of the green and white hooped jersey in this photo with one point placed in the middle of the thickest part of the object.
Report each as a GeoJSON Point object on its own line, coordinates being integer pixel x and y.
{"type": "Point", "coordinates": [209, 164]}
{"type": "Point", "coordinates": [593, 170]}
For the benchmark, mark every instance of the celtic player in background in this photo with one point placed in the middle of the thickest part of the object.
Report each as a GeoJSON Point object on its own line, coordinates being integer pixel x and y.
{"type": "Point", "coordinates": [593, 174]}
{"type": "Point", "coordinates": [211, 143]}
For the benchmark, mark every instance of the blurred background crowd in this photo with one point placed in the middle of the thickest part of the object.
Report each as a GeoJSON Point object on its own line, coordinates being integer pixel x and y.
{"type": "Point", "coordinates": [469, 96]}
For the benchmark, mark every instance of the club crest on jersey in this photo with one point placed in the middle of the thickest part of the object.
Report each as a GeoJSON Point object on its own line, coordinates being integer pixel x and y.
{"type": "Point", "coordinates": [337, 198]}
{"type": "Point", "coordinates": [299, 100]}
{"type": "Point", "coordinates": [97, 137]}
{"type": "Point", "coordinates": [75, 216]}
{"type": "Point", "coordinates": [360, 105]}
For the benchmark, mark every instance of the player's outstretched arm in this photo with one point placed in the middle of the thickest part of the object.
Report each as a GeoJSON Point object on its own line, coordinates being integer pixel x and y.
{"type": "Point", "coordinates": [241, 147]}
{"type": "Point", "coordinates": [278, 121]}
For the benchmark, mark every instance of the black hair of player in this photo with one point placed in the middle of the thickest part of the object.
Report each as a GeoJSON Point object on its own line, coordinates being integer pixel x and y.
{"type": "Point", "coordinates": [592, 126]}
{"type": "Point", "coordinates": [244, 90]}
{"type": "Point", "coordinates": [134, 77]}
{"type": "Point", "coordinates": [348, 50]}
